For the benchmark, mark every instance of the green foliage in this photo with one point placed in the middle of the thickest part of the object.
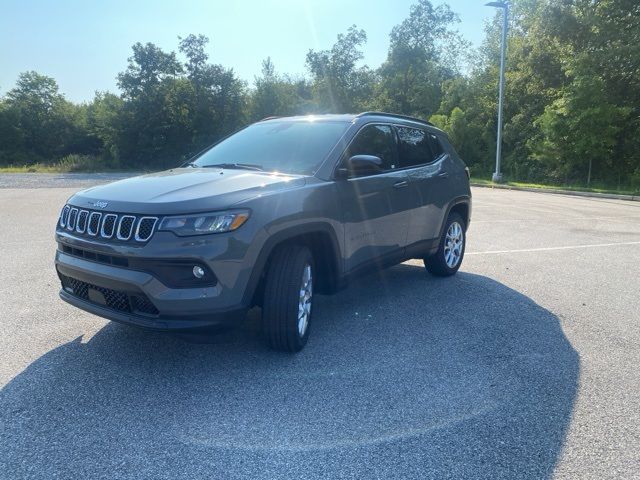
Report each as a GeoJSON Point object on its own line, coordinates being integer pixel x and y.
{"type": "Point", "coordinates": [37, 123]}
{"type": "Point", "coordinates": [81, 163]}
{"type": "Point", "coordinates": [424, 51]}
{"type": "Point", "coordinates": [148, 67]}
{"type": "Point", "coordinates": [339, 86]}
{"type": "Point", "coordinates": [581, 108]}
{"type": "Point", "coordinates": [277, 95]}
{"type": "Point", "coordinates": [462, 133]}
{"type": "Point", "coordinates": [572, 104]}
{"type": "Point", "coordinates": [171, 110]}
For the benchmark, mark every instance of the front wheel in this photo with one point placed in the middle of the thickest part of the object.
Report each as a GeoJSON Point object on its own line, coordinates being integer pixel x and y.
{"type": "Point", "coordinates": [448, 258]}
{"type": "Point", "coordinates": [288, 295]}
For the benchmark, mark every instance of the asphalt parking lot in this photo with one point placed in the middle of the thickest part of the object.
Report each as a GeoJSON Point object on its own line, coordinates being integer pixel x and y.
{"type": "Point", "coordinates": [524, 365]}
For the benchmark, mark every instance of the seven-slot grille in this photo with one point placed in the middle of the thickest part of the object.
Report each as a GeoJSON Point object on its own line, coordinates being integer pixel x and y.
{"type": "Point", "coordinates": [122, 227]}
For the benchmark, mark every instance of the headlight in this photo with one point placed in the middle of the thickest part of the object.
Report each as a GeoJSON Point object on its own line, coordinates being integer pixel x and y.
{"type": "Point", "coordinates": [203, 223]}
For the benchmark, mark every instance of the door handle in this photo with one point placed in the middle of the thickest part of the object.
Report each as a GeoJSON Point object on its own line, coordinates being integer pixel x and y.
{"type": "Point", "coordinates": [401, 184]}
{"type": "Point", "coordinates": [443, 175]}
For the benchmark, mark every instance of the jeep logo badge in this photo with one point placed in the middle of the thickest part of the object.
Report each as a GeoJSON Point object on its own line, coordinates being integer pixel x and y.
{"type": "Point", "coordinates": [99, 204]}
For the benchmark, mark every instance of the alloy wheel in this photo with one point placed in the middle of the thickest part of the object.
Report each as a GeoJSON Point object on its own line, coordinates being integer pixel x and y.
{"type": "Point", "coordinates": [453, 245]}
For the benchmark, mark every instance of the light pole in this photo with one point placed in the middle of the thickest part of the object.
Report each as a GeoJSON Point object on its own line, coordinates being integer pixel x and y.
{"type": "Point", "coordinates": [504, 5]}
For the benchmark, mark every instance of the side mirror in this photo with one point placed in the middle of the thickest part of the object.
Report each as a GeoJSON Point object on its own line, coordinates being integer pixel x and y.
{"type": "Point", "coordinates": [360, 165]}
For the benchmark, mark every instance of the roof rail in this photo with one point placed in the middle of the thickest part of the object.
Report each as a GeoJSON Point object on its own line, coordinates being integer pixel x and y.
{"type": "Point", "coordinates": [269, 118]}
{"type": "Point", "coordinates": [395, 115]}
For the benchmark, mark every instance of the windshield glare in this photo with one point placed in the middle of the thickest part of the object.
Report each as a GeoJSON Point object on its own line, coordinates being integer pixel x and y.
{"type": "Point", "coordinates": [287, 147]}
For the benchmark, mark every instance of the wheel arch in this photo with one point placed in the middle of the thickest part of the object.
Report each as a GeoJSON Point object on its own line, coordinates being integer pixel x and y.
{"type": "Point", "coordinates": [320, 238]}
{"type": "Point", "coordinates": [461, 205]}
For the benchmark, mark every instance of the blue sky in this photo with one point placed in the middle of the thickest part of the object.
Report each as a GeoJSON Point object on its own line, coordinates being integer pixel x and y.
{"type": "Point", "coordinates": [83, 44]}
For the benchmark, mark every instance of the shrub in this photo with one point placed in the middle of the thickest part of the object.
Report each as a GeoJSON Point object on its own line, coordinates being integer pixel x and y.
{"type": "Point", "coordinates": [81, 163]}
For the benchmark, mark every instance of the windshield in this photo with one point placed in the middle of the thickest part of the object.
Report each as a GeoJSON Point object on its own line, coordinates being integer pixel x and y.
{"type": "Point", "coordinates": [288, 147]}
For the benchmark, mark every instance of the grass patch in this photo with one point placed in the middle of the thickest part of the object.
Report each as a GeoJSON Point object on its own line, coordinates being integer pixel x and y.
{"type": "Point", "coordinates": [571, 188]}
{"type": "Point", "coordinates": [35, 168]}
{"type": "Point", "coordinates": [68, 164]}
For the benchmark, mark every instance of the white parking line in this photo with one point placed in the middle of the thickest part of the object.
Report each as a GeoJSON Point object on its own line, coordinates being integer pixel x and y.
{"type": "Point", "coordinates": [546, 249]}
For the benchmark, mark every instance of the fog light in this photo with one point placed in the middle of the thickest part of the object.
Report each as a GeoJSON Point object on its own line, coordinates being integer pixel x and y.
{"type": "Point", "coordinates": [198, 272]}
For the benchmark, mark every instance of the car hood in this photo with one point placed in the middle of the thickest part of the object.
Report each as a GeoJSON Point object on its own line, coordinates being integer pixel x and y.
{"type": "Point", "coordinates": [183, 190]}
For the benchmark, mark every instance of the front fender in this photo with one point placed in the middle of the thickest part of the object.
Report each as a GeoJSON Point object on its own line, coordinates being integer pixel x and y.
{"type": "Point", "coordinates": [282, 236]}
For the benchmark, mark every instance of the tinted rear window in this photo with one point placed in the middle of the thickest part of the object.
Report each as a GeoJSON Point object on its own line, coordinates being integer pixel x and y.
{"type": "Point", "coordinates": [417, 147]}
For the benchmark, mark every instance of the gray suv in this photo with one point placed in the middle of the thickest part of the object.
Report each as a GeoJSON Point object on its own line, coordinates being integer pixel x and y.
{"type": "Point", "coordinates": [269, 216]}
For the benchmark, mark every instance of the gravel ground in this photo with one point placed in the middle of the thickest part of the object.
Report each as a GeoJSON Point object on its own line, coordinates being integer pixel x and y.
{"type": "Point", "coordinates": [524, 365]}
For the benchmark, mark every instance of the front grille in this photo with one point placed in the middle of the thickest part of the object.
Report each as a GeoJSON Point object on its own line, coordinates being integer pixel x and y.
{"type": "Point", "coordinates": [125, 227]}
{"type": "Point", "coordinates": [73, 216]}
{"type": "Point", "coordinates": [111, 226]}
{"type": "Point", "coordinates": [94, 256]}
{"type": "Point", "coordinates": [113, 299]}
{"type": "Point", "coordinates": [108, 225]}
{"type": "Point", "coordinates": [94, 223]}
{"type": "Point", "coordinates": [145, 228]}
{"type": "Point", "coordinates": [82, 221]}
{"type": "Point", "coordinates": [141, 304]}
{"type": "Point", "coordinates": [64, 216]}
{"type": "Point", "coordinates": [107, 297]}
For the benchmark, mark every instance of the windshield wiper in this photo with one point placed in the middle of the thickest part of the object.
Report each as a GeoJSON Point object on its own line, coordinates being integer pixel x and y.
{"type": "Point", "coordinates": [244, 166]}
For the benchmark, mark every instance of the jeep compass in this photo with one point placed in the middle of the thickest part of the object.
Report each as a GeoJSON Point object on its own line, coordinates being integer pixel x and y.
{"type": "Point", "coordinates": [281, 210]}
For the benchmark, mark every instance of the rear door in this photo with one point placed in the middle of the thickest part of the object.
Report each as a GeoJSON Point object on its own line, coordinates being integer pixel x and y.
{"type": "Point", "coordinates": [427, 164]}
{"type": "Point", "coordinates": [376, 208]}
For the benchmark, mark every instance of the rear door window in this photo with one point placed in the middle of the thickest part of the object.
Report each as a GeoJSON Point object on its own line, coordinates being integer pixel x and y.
{"type": "Point", "coordinates": [436, 146]}
{"type": "Point", "coordinates": [417, 147]}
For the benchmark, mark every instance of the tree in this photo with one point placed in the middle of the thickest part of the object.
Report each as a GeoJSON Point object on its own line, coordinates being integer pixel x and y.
{"type": "Point", "coordinates": [424, 51]}
{"type": "Point", "coordinates": [219, 100]}
{"type": "Point", "coordinates": [275, 94]}
{"type": "Point", "coordinates": [39, 124]}
{"type": "Point", "coordinates": [192, 46]}
{"type": "Point", "coordinates": [148, 124]}
{"type": "Point", "coordinates": [104, 121]}
{"type": "Point", "coordinates": [591, 115]}
{"type": "Point", "coordinates": [582, 128]}
{"type": "Point", "coordinates": [172, 110]}
{"type": "Point", "coordinates": [339, 86]}
{"type": "Point", "coordinates": [572, 103]}
{"type": "Point", "coordinates": [462, 133]}
{"type": "Point", "coordinates": [148, 67]}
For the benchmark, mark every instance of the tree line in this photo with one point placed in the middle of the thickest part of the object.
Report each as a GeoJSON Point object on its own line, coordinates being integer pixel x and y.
{"type": "Point", "coordinates": [572, 100]}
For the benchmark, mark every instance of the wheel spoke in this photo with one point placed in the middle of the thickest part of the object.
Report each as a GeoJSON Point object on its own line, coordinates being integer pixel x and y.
{"type": "Point", "coordinates": [304, 301]}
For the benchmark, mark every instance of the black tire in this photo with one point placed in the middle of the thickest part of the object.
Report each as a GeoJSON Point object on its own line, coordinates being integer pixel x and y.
{"type": "Point", "coordinates": [282, 298]}
{"type": "Point", "coordinates": [436, 264]}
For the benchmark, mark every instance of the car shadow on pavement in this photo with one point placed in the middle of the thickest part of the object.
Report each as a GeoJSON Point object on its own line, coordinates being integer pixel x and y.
{"type": "Point", "coordinates": [405, 376]}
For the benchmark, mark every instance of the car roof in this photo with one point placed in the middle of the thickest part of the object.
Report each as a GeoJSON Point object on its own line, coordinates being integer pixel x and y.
{"type": "Point", "coordinates": [325, 117]}
{"type": "Point", "coordinates": [362, 118]}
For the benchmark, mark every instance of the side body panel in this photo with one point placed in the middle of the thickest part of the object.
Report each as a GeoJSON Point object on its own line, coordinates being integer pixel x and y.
{"type": "Point", "coordinates": [376, 213]}
{"type": "Point", "coordinates": [438, 186]}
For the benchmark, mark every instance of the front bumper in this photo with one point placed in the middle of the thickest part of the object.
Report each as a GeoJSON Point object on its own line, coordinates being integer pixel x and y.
{"type": "Point", "coordinates": [161, 323]}
{"type": "Point", "coordinates": [169, 308]}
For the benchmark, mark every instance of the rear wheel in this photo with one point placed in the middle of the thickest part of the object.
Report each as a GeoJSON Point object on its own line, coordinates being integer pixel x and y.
{"type": "Point", "coordinates": [288, 295]}
{"type": "Point", "coordinates": [448, 258]}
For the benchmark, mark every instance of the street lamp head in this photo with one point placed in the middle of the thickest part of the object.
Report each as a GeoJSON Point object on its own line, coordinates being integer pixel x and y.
{"type": "Point", "coordinates": [497, 4]}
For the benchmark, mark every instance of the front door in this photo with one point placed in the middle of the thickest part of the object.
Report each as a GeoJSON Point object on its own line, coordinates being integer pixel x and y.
{"type": "Point", "coordinates": [376, 207]}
